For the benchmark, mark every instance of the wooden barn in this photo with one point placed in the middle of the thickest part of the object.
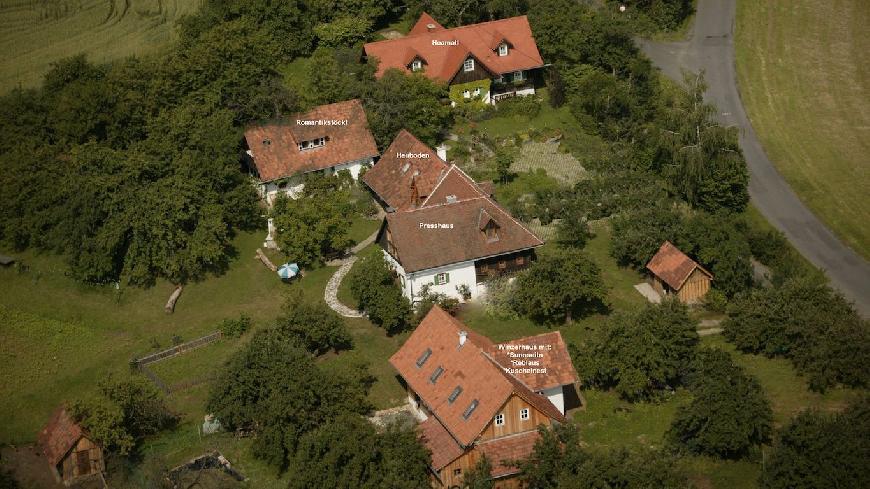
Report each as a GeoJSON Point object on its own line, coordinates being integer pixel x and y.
{"type": "Point", "coordinates": [72, 455]}
{"type": "Point", "coordinates": [675, 273]}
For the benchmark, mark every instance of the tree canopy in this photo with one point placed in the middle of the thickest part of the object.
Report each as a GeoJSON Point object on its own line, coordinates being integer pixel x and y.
{"type": "Point", "coordinates": [314, 226]}
{"type": "Point", "coordinates": [348, 453]}
{"type": "Point", "coordinates": [640, 354]}
{"type": "Point", "coordinates": [808, 323]}
{"type": "Point", "coordinates": [561, 284]}
{"type": "Point", "coordinates": [728, 415]}
{"type": "Point", "coordinates": [373, 285]}
{"type": "Point", "coordinates": [317, 327]}
{"type": "Point", "coordinates": [821, 450]}
{"type": "Point", "coordinates": [559, 462]}
{"type": "Point", "coordinates": [274, 387]}
{"type": "Point", "coordinates": [123, 413]}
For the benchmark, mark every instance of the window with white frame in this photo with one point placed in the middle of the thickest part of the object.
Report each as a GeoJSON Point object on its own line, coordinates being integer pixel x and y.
{"type": "Point", "coordinates": [499, 79]}
{"type": "Point", "coordinates": [499, 419]}
{"type": "Point", "coordinates": [468, 65]}
{"type": "Point", "coordinates": [518, 76]}
{"type": "Point", "coordinates": [466, 94]}
{"type": "Point", "coordinates": [524, 414]}
{"type": "Point", "coordinates": [442, 278]}
{"type": "Point", "coordinates": [416, 65]}
{"type": "Point", "coordinates": [503, 49]}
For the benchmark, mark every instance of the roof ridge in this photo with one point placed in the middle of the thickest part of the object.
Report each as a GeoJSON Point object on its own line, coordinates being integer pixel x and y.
{"type": "Point", "coordinates": [440, 181]}
{"type": "Point", "coordinates": [448, 29]}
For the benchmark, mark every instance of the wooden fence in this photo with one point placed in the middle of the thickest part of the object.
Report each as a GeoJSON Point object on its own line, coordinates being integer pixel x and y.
{"type": "Point", "coordinates": [141, 364]}
{"type": "Point", "coordinates": [179, 349]}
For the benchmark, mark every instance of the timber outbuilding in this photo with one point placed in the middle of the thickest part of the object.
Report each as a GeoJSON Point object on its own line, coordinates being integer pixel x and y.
{"type": "Point", "coordinates": [675, 273]}
{"type": "Point", "coordinates": [71, 453]}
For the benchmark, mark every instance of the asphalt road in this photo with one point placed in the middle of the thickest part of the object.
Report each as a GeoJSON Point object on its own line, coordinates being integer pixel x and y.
{"type": "Point", "coordinates": [711, 48]}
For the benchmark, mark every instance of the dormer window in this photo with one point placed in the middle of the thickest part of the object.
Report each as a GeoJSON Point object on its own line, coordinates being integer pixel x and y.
{"type": "Point", "coordinates": [311, 144]}
{"type": "Point", "coordinates": [491, 232]}
{"type": "Point", "coordinates": [267, 142]}
{"type": "Point", "coordinates": [416, 65]}
{"type": "Point", "coordinates": [503, 49]}
{"type": "Point", "coordinates": [468, 65]}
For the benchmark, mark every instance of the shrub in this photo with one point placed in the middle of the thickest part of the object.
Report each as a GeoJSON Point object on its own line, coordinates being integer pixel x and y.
{"type": "Point", "coordinates": [373, 285]}
{"type": "Point", "coordinates": [235, 328]}
{"type": "Point", "coordinates": [715, 301]}
{"type": "Point", "coordinates": [429, 299]}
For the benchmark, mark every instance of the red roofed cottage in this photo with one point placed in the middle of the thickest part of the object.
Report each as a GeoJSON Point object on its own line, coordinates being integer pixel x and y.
{"type": "Point", "coordinates": [675, 273]}
{"type": "Point", "coordinates": [490, 61]}
{"type": "Point", "coordinates": [474, 401]}
{"type": "Point", "coordinates": [329, 138]}
{"type": "Point", "coordinates": [71, 454]}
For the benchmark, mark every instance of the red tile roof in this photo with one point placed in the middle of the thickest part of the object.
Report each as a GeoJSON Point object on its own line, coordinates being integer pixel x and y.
{"type": "Point", "coordinates": [423, 25]}
{"type": "Point", "coordinates": [274, 146]}
{"type": "Point", "coordinates": [455, 185]}
{"type": "Point", "coordinates": [419, 248]}
{"type": "Point", "coordinates": [501, 451]}
{"type": "Point", "coordinates": [394, 177]}
{"type": "Point", "coordinates": [554, 357]}
{"type": "Point", "coordinates": [469, 367]}
{"type": "Point", "coordinates": [440, 443]}
{"type": "Point", "coordinates": [443, 62]}
{"type": "Point", "coordinates": [673, 266]}
{"type": "Point", "coordinates": [59, 436]}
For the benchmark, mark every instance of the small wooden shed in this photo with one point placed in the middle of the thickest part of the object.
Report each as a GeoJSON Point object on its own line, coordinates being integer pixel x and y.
{"type": "Point", "coordinates": [675, 273]}
{"type": "Point", "coordinates": [72, 455]}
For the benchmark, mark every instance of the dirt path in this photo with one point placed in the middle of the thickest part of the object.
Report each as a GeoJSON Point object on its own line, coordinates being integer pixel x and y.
{"type": "Point", "coordinates": [330, 294]}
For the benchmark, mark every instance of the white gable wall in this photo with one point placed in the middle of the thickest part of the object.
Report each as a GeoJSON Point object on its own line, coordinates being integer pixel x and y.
{"type": "Point", "coordinates": [556, 395]}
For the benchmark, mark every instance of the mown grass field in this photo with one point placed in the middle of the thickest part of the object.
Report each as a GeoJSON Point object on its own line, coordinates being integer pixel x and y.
{"type": "Point", "coordinates": [804, 74]}
{"type": "Point", "coordinates": [34, 34]}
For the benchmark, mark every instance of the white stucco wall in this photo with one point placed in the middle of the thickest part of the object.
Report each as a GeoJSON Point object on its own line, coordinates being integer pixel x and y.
{"type": "Point", "coordinates": [412, 283]}
{"type": "Point", "coordinates": [556, 395]}
{"type": "Point", "coordinates": [269, 190]}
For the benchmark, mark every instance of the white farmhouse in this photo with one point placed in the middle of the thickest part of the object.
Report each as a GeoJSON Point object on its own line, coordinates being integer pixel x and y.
{"type": "Point", "coordinates": [329, 138]}
{"type": "Point", "coordinates": [454, 240]}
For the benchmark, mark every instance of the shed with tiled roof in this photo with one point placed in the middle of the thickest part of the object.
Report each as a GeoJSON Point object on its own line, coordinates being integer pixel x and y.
{"type": "Point", "coordinates": [71, 453]}
{"type": "Point", "coordinates": [673, 272]}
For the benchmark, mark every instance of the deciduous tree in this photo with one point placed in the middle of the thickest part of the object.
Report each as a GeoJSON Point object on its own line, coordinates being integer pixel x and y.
{"type": "Point", "coordinates": [560, 285]}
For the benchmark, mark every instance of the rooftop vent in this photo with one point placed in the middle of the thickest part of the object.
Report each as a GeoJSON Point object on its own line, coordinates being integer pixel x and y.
{"type": "Point", "coordinates": [267, 142]}
{"type": "Point", "coordinates": [451, 199]}
{"type": "Point", "coordinates": [430, 26]}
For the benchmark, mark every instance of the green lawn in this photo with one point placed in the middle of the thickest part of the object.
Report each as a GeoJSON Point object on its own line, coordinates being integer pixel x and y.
{"type": "Point", "coordinates": [804, 73]}
{"type": "Point", "coordinates": [59, 337]}
{"type": "Point", "coordinates": [787, 391]}
{"type": "Point", "coordinates": [35, 34]}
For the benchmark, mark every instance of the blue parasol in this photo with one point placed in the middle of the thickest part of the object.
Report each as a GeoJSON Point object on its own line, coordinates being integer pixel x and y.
{"type": "Point", "coordinates": [288, 270]}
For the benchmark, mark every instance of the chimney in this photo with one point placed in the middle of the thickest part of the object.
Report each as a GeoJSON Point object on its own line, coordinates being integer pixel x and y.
{"type": "Point", "coordinates": [430, 27]}
{"type": "Point", "coordinates": [441, 151]}
{"type": "Point", "coordinates": [463, 335]}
